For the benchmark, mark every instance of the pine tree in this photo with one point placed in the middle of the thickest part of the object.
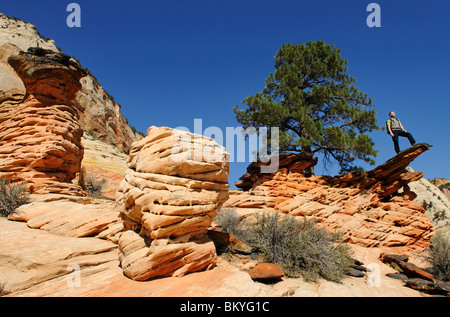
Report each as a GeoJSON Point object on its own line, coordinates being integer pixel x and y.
{"type": "Point", "coordinates": [316, 106]}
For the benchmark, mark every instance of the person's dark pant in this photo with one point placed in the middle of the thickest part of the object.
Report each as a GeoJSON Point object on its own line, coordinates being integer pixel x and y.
{"type": "Point", "coordinates": [398, 133]}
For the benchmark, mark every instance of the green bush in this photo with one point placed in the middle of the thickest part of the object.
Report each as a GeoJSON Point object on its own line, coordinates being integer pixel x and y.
{"type": "Point", "coordinates": [444, 186]}
{"type": "Point", "coordinates": [439, 257]}
{"type": "Point", "coordinates": [301, 248]}
{"type": "Point", "coordinates": [93, 135]}
{"type": "Point", "coordinates": [427, 205]}
{"type": "Point", "coordinates": [439, 215]}
{"type": "Point", "coordinates": [12, 195]}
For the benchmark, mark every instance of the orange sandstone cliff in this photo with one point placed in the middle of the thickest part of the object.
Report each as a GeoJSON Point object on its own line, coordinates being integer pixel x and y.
{"type": "Point", "coordinates": [40, 135]}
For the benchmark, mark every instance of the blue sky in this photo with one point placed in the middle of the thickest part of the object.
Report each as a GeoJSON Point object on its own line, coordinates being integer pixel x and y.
{"type": "Point", "coordinates": [170, 62]}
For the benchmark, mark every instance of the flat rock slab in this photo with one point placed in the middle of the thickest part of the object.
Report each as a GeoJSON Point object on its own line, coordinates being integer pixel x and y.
{"type": "Point", "coordinates": [32, 259]}
{"type": "Point", "coordinates": [35, 262]}
{"type": "Point", "coordinates": [72, 218]}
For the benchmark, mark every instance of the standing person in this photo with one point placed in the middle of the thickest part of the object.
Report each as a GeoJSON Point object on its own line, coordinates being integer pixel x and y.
{"type": "Point", "coordinates": [396, 129]}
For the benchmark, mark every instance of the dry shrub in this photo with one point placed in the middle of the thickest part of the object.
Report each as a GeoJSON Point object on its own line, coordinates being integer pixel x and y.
{"type": "Point", "coordinates": [12, 195]}
{"type": "Point", "coordinates": [91, 184]}
{"type": "Point", "coordinates": [439, 257]}
{"type": "Point", "coordinates": [299, 247]}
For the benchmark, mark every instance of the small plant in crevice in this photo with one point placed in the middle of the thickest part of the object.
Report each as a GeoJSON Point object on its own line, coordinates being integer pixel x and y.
{"type": "Point", "coordinates": [91, 184]}
{"type": "Point", "coordinates": [12, 195]}
{"type": "Point", "coordinates": [92, 134]}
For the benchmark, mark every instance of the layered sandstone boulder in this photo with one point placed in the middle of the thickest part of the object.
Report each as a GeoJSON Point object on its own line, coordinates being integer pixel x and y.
{"type": "Point", "coordinates": [372, 209]}
{"type": "Point", "coordinates": [174, 186]}
{"type": "Point", "coordinates": [40, 137]}
{"type": "Point", "coordinates": [98, 111]}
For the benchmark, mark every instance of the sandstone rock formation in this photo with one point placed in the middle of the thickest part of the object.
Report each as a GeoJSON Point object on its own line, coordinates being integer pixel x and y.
{"type": "Point", "coordinates": [71, 217]}
{"type": "Point", "coordinates": [35, 260]}
{"type": "Point", "coordinates": [166, 204]}
{"type": "Point", "coordinates": [102, 115]}
{"type": "Point", "coordinates": [103, 164]}
{"type": "Point", "coordinates": [40, 137]}
{"type": "Point", "coordinates": [98, 111]}
{"type": "Point", "coordinates": [443, 185]}
{"type": "Point", "coordinates": [9, 101]}
{"type": "Point", "coordinates": [369, 208]}
{"type": "Point", "coordinates": [22, 34]}
{"type": "Point", "coordinates": [174, 186]}
{"type": "Point", "coordinates": [31, 268]}
{"type": "Point", "coordinates": [435, 203]}
{"type": "Point", "coordinates": [8, 77]}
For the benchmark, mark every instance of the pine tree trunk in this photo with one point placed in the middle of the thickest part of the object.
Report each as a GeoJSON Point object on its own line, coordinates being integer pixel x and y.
{"type": "Point", "coordinates": [309, 171]}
